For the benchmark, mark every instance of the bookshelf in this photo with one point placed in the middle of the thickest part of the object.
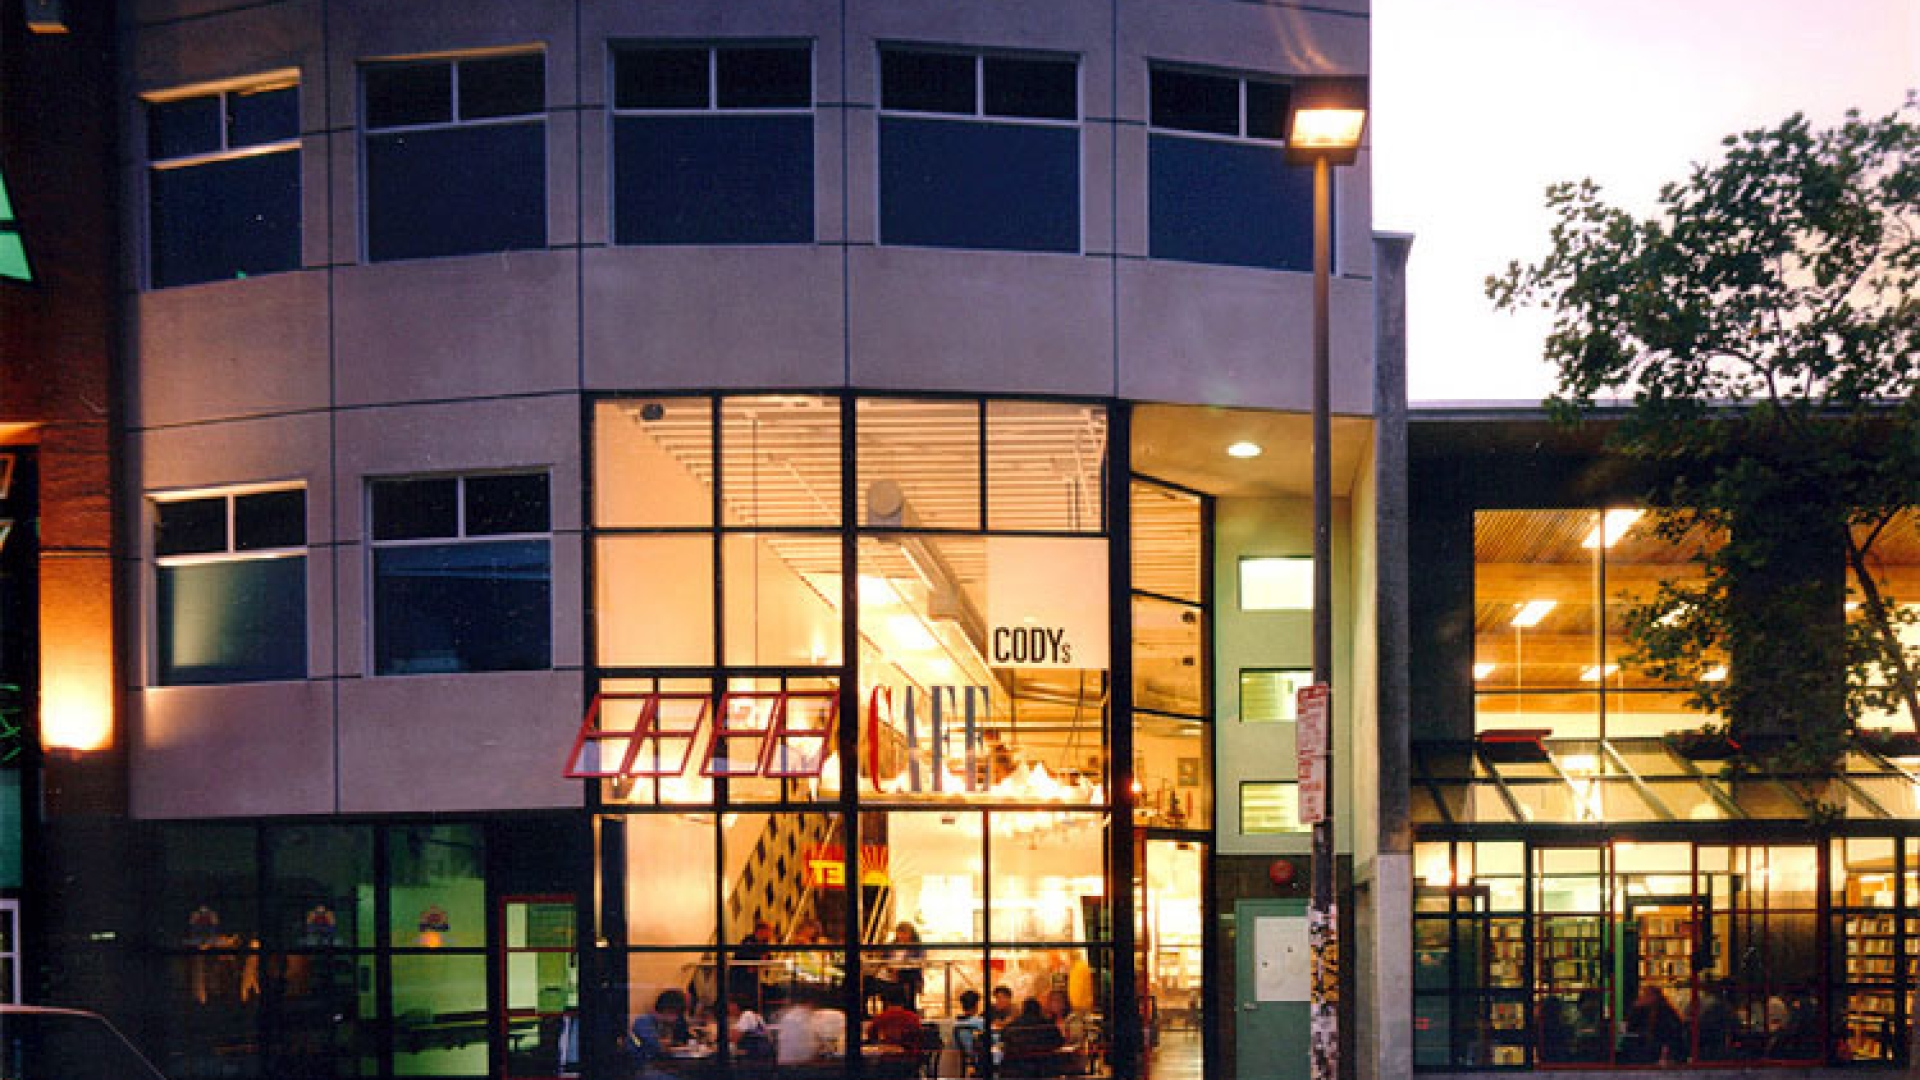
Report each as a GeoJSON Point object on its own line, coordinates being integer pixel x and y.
{"type": "Point", "coordinates": [1665, 948]}
{"type": "Point", "coordinates": [1568, 954]}
{"type": "Point", "coordinates": [1873, 955]}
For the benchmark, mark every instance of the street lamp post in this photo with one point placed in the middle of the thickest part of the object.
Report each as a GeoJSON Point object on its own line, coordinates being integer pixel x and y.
{"type": "Point", "coordinates": [1325, 120]}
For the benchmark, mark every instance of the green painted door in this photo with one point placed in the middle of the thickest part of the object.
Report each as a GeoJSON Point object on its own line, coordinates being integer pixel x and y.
{"type": "Point", "coordinates": [1271, 962]}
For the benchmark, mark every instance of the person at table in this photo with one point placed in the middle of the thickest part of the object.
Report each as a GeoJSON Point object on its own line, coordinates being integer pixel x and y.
{"type": "Point", "coordinates": [897, 1028]}
{"type": "Point", "coordinates": [1715, 1023]}
{"type": "Point", "coordinates": [1655, 1032]}
{"type": "Point", "coordinates": [1030, 1044]}
{"type": "Point", "coordinates": [748, 962]}
{"type": "Point", "coordinates": [747, 1031]}
{"type": "Point", "coordinates": [1002, 1010]}
{"type": "Point", "coordinates": [655, 1034]}
{"type": "Point", "coordinates": [903, 965]}
{"type": "Point", "coordinates": [968, 1025]}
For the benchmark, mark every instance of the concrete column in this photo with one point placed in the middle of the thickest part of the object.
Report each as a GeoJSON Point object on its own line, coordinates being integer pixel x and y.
{"type": "Point", "coordinates": [1391, 997]}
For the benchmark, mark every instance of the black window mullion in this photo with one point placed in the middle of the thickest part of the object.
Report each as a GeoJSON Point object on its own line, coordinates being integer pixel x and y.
{"type": "Point", "coordinates": [453, 92]}
{"type": "Point", "coordinates": [713, 82]}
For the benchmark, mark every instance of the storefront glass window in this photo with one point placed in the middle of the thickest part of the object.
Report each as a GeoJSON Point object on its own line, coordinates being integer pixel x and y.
{"type": "Point", "coordinates": [1046, 467]}
{"type": "Point", "coordinates": [919, 464]}
{"type": "Point", "coordinates": [670, 878]}
{"type": "Point", "coordinates": [1172, 764]}
{"type": "Point", "coordinates": [782, 599]}
{"type": "Point", "coordinates": [437, 890]}
{"type": "Point", "coordinates": [653, 600]}
{"type": "Point", "coordinates": [653, 463]}
{"type": "Point", "coordinates": [780, 463]}
{"type": "Point", "coordinates": [440, 1024]}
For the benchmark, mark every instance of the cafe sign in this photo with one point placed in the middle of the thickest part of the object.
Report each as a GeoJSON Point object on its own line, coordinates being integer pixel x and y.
{"type": "Point", "coordinates": [1047, 602]}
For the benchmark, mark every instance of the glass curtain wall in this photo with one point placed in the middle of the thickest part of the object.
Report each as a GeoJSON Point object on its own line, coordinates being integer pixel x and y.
{"type": "Point", "coordinates": [850, 731]}
{"type": "Point", "coordinates": [1663, 954]}
{"type": "Point", "coordinates": [1551, 592]}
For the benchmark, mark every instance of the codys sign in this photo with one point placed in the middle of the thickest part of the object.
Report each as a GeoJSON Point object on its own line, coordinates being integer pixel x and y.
{"type": "Point", "coordinates": [1047, 602]}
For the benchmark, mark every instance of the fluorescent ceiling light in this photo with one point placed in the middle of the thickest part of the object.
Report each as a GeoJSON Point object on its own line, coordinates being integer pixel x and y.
{"type": "Point", "coordinates": [1481, 671]}
{"type": "Point", "coordinates": [1244, 449]}
{"type": "Point", "coordinates": [1594, 672]}
{"type": "Point", "coordinates": [1532, 612]}
{"type": "Point", "coordinates": [1613, 525]}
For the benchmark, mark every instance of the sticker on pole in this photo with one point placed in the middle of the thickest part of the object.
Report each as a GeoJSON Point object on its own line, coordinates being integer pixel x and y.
{"type": "Point", "coordinates": [1311, 743]}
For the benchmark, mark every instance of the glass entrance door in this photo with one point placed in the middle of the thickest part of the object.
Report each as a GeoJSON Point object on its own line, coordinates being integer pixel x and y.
{"type": "Point", "coordinates": [1171, 954]}
{"type": "Point", "coordinates": [538, 1023]}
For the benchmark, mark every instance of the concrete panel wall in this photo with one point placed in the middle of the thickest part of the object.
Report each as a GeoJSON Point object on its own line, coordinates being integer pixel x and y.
{"type": "Point", "coordinates": [350, 370]}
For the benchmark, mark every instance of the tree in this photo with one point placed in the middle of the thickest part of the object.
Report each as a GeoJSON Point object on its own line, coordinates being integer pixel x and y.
{"type": "Point", "coordinates": [1765, 325]}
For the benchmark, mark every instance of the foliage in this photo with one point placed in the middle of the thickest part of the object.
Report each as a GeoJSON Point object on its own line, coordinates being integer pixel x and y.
{"type": "Point", "coordinates": [1765, 325]}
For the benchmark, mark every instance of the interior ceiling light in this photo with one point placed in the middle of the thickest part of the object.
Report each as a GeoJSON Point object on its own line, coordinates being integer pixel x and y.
{"type": "Point", "coordinates": [1594, 672]}
{"type": "Point", "coordinates": [1481, 671]}
{"type": "Point", "coordinates": [1532, 612]}
{"type": "Point", "coordinates": [1613, 525]}
{"type": "Point", "coordinates": [1716, 673]}
{"type": "Point", "coordinates": [1244, 449]}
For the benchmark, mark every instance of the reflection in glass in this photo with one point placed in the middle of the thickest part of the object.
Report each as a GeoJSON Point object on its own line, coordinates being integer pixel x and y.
{"type": "Point", "coordinates": [437, 890]}
{"type": "Point", "coordinates": [440, 1025]}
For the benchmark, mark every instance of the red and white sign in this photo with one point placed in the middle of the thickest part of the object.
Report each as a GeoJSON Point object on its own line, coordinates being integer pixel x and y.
{"type": "Point", "coordinates": [1314, 703]}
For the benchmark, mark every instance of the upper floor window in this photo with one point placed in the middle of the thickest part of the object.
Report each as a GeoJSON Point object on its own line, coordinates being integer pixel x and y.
{"type": "Point", "coordinates": [223, 183]}
{"type": "Point", "coordinates": [713, 144]}
{"type": "Point", "coordinates": [13, 250]}
{"type": "Point", "coordinates": [230, 590]}
{"type": "Point", "coordinates": [455, 158]}
{"type": "Point", "coordinates": [1219, 188]}
{"type": "Point", "coordinates": [979, 151]}
{"type": "Point", "coordinates": [462, 573]}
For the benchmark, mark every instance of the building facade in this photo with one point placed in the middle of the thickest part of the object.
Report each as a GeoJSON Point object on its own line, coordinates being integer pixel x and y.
{"type": "Point", "coordinates": [633, 500]}
{"type": "Point", "coordinates": [1595, 885]}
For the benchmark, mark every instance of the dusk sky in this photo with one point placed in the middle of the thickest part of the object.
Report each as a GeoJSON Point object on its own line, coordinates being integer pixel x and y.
{"type": "Point", "coordinates": [1480, 104]}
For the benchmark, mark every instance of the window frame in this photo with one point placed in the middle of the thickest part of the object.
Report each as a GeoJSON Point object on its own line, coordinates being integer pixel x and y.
{"type": "Point", "coordinates": [455, 122]}
{"type": "Point", "coordinates": [712, 49]}
{"type": "Point", "coordinates": [713, 109]}
{"type": "Point", "coordinates": [979, 115]}
{"type": "Point", "coordinates": [461, 538]}
{"type": "Point", "coordinates": [1240, 79]}
{"type": "Point", "coordinates": [10, 228]}
{"type": "Point", "coordinates": [231, 553]}
{"type": "Point", "coordinates": [278, 79]}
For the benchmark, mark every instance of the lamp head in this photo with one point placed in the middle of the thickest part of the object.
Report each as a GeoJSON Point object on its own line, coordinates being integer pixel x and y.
{"type": "Point", "coordinates": [1326, 117]}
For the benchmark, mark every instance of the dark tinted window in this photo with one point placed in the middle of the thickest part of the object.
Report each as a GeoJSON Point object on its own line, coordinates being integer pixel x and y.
{"type": "Point", "coordinates": [764, 78]}
{"type": "Point", "coordinates": [713, 179]}
{"type": "Point", "coordinates": [271, 519]}
{"type": "Point", "coordinates": [503, 86]}
{"type": "Point", "coordinates": [225, 219]}
{"type": "Point", "coordinates": [238, 621]}
{"type": "Point", "coordinates": [190, 526]}
{"type": "Point", "coordinates": [927, 82]}
{"type": "Point", "coordinates": [462, 607]}
{"type": "Point", "coordinates": [262, 116]}
{"type": "Point", "coordinates": [673, 78]}
{"type": "Point", "coordinates": [1266, 110]}
{"type": "Point", "coordinates": [506, 504]}
{"type": "Point", "coordinates": [1041, 89]}
{"type": "Point", "coordinates": [183, 127]}
{"type": "Point", "coordinates": [412, 509]}
{"type": "Point", "coordinates": [456, 191]}
{"type": "Point", "coordinates": [956, 183]}
{"type": "Point", "coordinates": [1234, 203]}
{"type": "Point", "coordinates": [399, 95]}
{"type": "Point", "coordinates": [1188, 102]}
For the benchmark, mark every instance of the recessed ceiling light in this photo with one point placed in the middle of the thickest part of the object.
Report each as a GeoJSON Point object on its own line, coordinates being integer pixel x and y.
{"type": "Point", "coordinates": [1716, 673]}
{"type": "Point", "coordinates": [1532, 612]}
{"type": "Point", "coordinates": [1481, 671]}
{"type": "Point", "coordinates": [1244, 449]}
{"type": "Point", "coordinates": [1594, 672]}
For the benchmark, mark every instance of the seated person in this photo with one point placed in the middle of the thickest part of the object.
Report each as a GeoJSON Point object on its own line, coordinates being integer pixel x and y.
{"type": "Point", "coordinates": [1002, 1010]}
{"type": "Point", "coordinates": [655, 1033]}
{"type": "Point", "coordinates": [1031, 1044]}
{"type": "Point", "coordinates": [747, 1031]}
{"type": "Point", "coordinates": [969, 1024]}
{"type": "Point", "coordinates": [1073, 1026]}
{"type": "Point", "coordinates": [897, 1028]}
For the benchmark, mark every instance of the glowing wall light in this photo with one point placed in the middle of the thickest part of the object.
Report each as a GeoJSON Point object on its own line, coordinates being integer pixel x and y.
{"type": "Point", "coordinates": [76, 710]}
